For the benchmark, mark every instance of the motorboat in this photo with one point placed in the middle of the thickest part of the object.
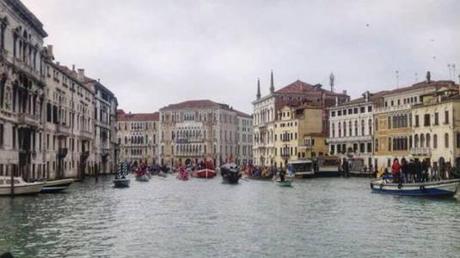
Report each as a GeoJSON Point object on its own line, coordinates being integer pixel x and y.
{"type": "Point", "coordinates": [433, 188]}
{"type": "Point", "coordinates": [59, 185]}
{"type": "Point", "coordinates": [20, 187]}
{"type": "Point", "coordinates": [230, 173]}
{"type": "Point", "coordinates": [204, 173]}
{"type": "Point", "coordinates": [121, 182]}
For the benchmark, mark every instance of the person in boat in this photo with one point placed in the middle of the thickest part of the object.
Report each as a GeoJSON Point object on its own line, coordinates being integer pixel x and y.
{"type": "Point", "coordinates": [396, 170]}
{"type": "Point", "coordinates": [418, 170]}
{"type": "Point", "coordinates": [345, 167]}
{"type": "Point", "coordinates": [282, 174]}
{"type": "Point", "coordinates": [404, 171]}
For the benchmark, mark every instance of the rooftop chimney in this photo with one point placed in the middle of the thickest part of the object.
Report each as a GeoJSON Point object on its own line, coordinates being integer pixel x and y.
{"type": "Point", "coordinates": [344, 92]}
{"type": "Point", "coordinates": [81, 74]}
{"type": "Point", "coordinates": [50, 51]}
{"type": "Point", "coordinates": [428, 77]}
{"type": "Point", "coordinates": [73, 68]}
{"type": "Point", "coordinates": [336, 101]}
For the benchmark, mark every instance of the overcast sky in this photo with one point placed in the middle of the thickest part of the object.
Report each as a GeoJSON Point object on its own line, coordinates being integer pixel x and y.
{"type": "Point", "coordinates": [154, 53]}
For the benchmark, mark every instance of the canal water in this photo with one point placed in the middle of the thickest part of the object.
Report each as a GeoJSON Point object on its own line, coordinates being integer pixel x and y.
{"type": "Point", "coordinates": [169, 218]}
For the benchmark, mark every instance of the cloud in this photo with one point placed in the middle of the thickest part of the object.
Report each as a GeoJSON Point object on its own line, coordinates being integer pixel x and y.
{"type": "Point", "coordinates": [153, 53]}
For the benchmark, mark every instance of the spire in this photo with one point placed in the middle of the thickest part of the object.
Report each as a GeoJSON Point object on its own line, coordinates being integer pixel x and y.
{"type": "Point", "coordinates": [331, 81]}
{"type": "Point", "coordinates": [258, 89]}
{"type": "Point", "coordinates": [272, 84]}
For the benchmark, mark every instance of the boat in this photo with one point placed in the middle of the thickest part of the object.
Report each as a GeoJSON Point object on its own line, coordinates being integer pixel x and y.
{"type": "Point", "coordinates": [121, 182]}
{"type": "Point", "coordinates": [20, 187]}
{"type": "Point", "coordinates": [204, 173]}
{"type": "Point", "coordinates": [327, 166]}
{"type": "Point", "coordinates": [58, 185]}
{"type": "Point", "coordinates": [230, 173]}
{"type": "Point", "coordinates": [301, 168]}
{"type": "Point", "coordinates": [162, 174]}
{"type": "Point", "coordinates": [285, 183]}
{"type": "Point", "coordinates": [441, 188]}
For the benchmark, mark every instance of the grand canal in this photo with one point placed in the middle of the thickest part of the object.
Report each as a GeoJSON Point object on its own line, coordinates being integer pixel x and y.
{"type": "Point", "coordinates": [170, 218]}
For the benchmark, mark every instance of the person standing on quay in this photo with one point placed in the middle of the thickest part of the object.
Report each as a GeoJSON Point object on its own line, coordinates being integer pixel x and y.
{"type": "Point", "coordinates": [418, 170]}
{"type": "Point", "coordinates": [395, 170]}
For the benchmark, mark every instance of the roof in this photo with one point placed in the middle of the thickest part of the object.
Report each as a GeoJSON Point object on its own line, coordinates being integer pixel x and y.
{"type": "Point", "coordinates": [424, 84]}
{"type": "Point", "coordinates": [122, 116]}
{"type": "Point", "coordinates": [239, 113]}
{"type": "Point", "coordinates": [204, 103]}
{"type": "Point", "coordinates": [303, 87]}
{"type": "Point", "coordinates": [28, 16]}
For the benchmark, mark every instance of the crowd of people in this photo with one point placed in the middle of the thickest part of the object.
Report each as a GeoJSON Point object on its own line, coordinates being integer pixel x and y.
{"type": "Point", "coordinates": [415, 171]}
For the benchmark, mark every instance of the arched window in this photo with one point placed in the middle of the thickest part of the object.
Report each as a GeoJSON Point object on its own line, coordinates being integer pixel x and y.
{"type": "Point", "coordinates": [344, 129]}
{"type": "Point", "coordinates": [435, 141]}
{"type": "Point", "coordinates": [416, 141]}
{"type": "Point", "coordinates": [446, 140]}
{"type": "Point", "coordinates": [428, 138]}
{"type": "Point", "coordinates": [422, 140]}
{"type": "Point", "coordinates": [333, 130]}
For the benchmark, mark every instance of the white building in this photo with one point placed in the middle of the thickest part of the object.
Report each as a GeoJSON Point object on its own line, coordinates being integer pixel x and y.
{"type": "Point", "coordinates": [194, 130]}
{"type": "Point", "coordinates": [138, 136]}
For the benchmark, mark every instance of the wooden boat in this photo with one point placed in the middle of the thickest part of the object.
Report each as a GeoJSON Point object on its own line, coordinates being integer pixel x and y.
{"type": "Point", "coordinates": [121, 182]}
{"type": "Point", "coordinates": [204, 173]}
{"type": "Point", "coordinates": [230, 173]}
{"type": "Point", "coordinates": [433, 188]}
{"type": "Point", "coordinates": [20, 187]}
{"type": "Point", "coordinates": [54, 186]}
{"type": "Point", "coordinates": [285, 183]}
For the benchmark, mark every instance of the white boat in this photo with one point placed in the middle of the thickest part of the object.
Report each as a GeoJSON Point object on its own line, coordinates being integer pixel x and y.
{"type": "Point", "coordinates": [301, 168]}
{"type": "Point", "coordinates": [58, 185]}
{"type": "Point", "coordinates": [433, 188]}
{"type": "Point", "coordinates": [21, 187]}
{"type": "Point", "coordinates": [142, 178]}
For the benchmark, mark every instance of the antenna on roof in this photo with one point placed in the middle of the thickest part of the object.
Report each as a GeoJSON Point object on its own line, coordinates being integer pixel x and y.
{"type": "Point", "coordinates": [397, 79]}
{"type": "Point", "coordinates": [331, 81]}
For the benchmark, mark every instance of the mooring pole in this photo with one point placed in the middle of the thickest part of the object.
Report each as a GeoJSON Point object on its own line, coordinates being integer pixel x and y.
{"type": "Point", "coordinates": [12, 180]}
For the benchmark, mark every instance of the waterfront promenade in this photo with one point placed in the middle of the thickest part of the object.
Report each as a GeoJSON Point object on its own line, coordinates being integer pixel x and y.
{"type": "Point", "coordinates": [321, 217]}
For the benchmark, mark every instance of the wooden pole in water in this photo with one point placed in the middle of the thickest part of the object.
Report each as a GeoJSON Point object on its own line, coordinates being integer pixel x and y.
{"type": "Point", "coordinates": [12, 180]}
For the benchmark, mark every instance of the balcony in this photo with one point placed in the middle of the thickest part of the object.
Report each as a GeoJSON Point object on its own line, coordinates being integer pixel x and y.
{"type": "Point", "coordinates": [419, 151]}
{"type": "Point", "coordinates": [29, 119]}
{"type": "Point", "coordinates": [86, 134]}
{"type": "Point", "coordinates": [62, 130]}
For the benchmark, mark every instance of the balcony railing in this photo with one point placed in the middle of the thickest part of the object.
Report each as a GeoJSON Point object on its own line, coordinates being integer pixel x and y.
{"type": "Point", "coordinates": [29, 119]}
{"type": "Point", "coordinates": [419, 151]}
{"type": "Point", "coordinates": [62, 130]}
{"type": "Point", "coordinates": [86, 134]}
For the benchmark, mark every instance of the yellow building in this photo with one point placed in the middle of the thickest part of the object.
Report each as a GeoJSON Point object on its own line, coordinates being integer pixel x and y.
{"type": "Point", "coordinates": [436, 127]}
{"type": "Point", "coordinates": [299, 133]}
{"type": "Point", "coordinates": [394, 121]}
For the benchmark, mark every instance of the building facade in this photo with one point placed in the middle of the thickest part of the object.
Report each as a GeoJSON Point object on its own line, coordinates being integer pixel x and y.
{"type": "Point", "coordinates": [194, 130]}
{"type": "Point", "coordinates": [137, 136]}
{"type": "Point", "coordinates": [436, 127]}
{"type": "Point", "coordinates": [22, 91]}
{"type": "Point", "coordinates": [351, 128]}
{"type": "Point", "coordinates": [266, 109]}
{"type": "Point", "coordinates": [46, 110]}
{"type": "Point", "coordinates": [244, 139]}
{"type": "Point", "coordinates": [299, 134]}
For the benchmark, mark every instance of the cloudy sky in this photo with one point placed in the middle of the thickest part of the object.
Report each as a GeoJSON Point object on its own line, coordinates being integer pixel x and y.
{"type": "Point", "coordinates": [153, 53]}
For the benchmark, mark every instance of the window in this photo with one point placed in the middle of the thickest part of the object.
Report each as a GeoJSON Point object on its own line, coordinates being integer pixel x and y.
{"type": "Point", "coordinates": [446, 117]}
{"type": "Point", "coordinates": [369, 109]}
{"type": "Point", "coordinates": [435, 141]}
{"type": "Point", "coordinates": [389, 122]}
{"type": "Point", "coordinates": [1, 135]}
{"type": "Point", "coordinates": [389, 144]}
{"type": "Point", "coordinates": [458, 140]}
{"type": "Point", "coordinates": [446, 140]}
{"type": "Point", "coordinates": [436, 118]}
{"type": "Point", "coordinates": [426, 120]}
{"type": "Point", "coordinates": [416, 121]}
{"type": "Point", "coordinates": [333, 114]}
{"type": "Point", "coordinates": [363, 109]}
